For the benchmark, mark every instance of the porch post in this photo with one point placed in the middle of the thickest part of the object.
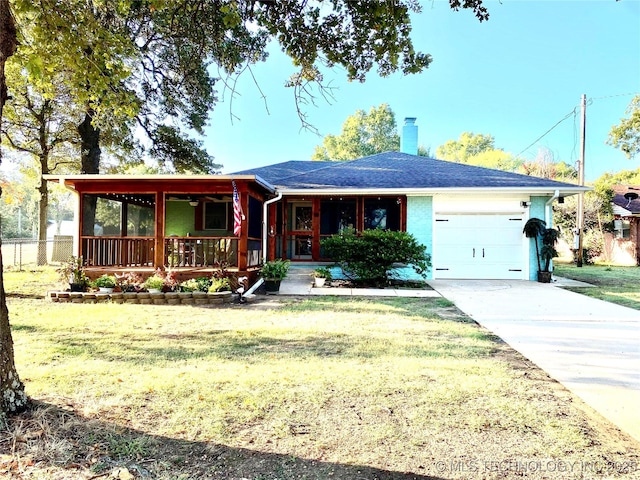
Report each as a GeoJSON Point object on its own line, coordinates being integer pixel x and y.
{"type": "Point", "coordinates": [273, 226]}
{"type": "Point", "coordinates": [315, 228]}
{"type": "Point", "coordinates": [243, 243]}
{"type": "Point", "coordinates": [158, 257]}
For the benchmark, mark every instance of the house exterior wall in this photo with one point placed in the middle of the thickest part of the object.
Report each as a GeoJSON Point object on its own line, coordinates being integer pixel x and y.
{"type": "Point", "coordinates": [420, 222]}
{"type": "Point", "coordinates": [179, 219]}
{"type": "Point", "coordinates": [623, 251]}
{"type": "Point", "coordinates": [536, 210]}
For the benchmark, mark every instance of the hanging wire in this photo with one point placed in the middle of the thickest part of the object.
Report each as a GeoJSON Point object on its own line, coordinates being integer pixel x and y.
{"type": "Point", "coordinates": [572, 112]}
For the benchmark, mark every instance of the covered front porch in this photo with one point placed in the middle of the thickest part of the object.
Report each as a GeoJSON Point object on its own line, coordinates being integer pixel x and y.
{"type": "Point", "coordinates": [190, 224]}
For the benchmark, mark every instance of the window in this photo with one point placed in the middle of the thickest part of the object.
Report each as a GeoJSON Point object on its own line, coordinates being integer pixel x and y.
{"type": "Point", "coordinates": [383, 213]}
{"type": "Point", "coordinates": [216, 215]}
{"type": "Point", "coordinates": [622, 228]}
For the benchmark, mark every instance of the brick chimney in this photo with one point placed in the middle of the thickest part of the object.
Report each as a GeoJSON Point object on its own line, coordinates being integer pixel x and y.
{"type": "Point", "coordinates": [409, 138]}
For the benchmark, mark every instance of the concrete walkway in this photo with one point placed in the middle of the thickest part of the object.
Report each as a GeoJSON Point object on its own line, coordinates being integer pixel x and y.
{"type": "Point", "coordinates": [299, 281]}
{"type": "Point", "coordinates": [592, 347]}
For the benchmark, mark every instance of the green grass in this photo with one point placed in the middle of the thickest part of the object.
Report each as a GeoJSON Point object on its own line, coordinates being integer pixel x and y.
{"type": "Point", "coordinates": [619, 285]}
{"type": "Point", "coordinates": [319, 388]}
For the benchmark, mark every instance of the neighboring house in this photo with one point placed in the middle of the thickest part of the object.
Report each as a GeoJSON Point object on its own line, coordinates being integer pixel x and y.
{"type": "Point", "coordinates": [622, 246]}
{"type": "Point", "coordinates": [469, 218]}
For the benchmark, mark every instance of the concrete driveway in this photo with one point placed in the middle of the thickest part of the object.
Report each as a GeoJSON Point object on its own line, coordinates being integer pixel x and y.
{"type": "Point", "coordinates": [590, 346]}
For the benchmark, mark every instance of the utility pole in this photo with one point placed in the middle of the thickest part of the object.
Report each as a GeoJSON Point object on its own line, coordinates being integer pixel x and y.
{"type": "Point", "coordinates": [580, 219]}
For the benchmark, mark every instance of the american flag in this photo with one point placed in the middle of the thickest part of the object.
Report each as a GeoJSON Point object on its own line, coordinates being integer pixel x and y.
{"type": "Point", "coordinates": [237, 211]}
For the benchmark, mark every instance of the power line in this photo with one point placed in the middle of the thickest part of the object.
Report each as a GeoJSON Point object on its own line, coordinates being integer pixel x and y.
{"type": "Point", "coordinates": [572, 112]}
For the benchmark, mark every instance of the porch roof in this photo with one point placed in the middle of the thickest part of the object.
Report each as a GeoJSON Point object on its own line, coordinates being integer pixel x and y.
{"type": "Point", "coordinates": [165, 182]}
{"type": "Point", "coordinates": [401, 173]}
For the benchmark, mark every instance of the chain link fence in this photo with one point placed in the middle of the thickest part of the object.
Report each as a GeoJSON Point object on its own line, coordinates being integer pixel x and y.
{"type": "Point", "coordinates": [28, 253]}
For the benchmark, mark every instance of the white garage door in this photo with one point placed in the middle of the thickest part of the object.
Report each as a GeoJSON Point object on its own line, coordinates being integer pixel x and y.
{"type": "Point", "coordinates": [487, 246]}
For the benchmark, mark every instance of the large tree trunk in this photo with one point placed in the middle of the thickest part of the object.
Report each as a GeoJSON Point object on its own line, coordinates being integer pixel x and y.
{"type": "Point", "coordinates": [90, 144]}
{"type": "Point", "coordinates": [12, 396]}
{"type": "Point", "coordinates": [13, 399]}
{"type": "Point", "coordinates": [43, 208]}
{"type": "Point", "coordinates": [43, 205]}
{"type": "Point", "coordinates": [90, 157]}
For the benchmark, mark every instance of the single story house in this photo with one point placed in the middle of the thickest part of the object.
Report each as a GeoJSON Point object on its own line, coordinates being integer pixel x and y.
{"type": "Point", "coordinates": [470, 218]}
{"type": "Point", "coordinates": [622, 245]}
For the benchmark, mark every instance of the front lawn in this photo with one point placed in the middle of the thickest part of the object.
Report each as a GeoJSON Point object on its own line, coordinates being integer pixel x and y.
{"type": "Point", "coordinates": [301, 388]}
{"type": "Point", "coordinates": [619, 285]}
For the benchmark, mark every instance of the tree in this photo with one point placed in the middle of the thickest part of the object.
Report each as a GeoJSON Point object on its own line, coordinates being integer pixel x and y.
{"type": "Point", "coordinates": [42, 125]}
{"type": "Point", "coordinates": [363, 134]}
{"type": "Point", "coordinates": [545, 166]}
{"type": "Point", "coordinates": [479, 150]}
{"type": "Point", "coordinates": [150, 61]}
{"type": "Point", "coordinates": [626, 135]}
{"type": "Point", "coordinates": [12, 395]}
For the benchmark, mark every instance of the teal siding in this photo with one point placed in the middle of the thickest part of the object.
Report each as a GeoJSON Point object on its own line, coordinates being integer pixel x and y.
{"type": "Point", "coordinates": [536, 210]}
{"type": "Point", "coordinates": [420, 222]}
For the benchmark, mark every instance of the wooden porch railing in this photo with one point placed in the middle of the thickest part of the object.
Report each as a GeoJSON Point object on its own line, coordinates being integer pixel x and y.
{"type": "Point", "coordinates": [178, 251]}
{"type": "Point", "coordinates": [200, 251]}
{"type": "Point", "coordinates": [118, 251]}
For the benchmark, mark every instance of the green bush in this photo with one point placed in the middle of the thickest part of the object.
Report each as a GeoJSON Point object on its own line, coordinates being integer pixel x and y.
{"type": "Point", "coordinates": [367, 257]}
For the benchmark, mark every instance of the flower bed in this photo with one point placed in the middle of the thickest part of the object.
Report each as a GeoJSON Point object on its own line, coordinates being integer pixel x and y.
{"type": "Point", "coordinates": [145, 298]}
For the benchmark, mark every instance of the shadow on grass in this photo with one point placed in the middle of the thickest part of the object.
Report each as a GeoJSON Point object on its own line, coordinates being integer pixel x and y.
{"type": "Point", "coordinates": [49, 441]}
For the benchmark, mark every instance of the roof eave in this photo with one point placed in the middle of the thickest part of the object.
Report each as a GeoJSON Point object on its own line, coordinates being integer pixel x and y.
{"type": "Point", "coordinates": [563, 191]}
{"type": "Point", "coordinates": [69, 180]}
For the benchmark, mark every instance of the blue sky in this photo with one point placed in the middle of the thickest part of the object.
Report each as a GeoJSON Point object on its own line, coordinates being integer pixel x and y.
{"type": "Point", "coordinates": [513, 77]}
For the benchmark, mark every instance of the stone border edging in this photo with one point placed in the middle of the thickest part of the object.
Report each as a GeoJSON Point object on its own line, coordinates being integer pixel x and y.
{"type": "Point", "coordinates": [145, 298]}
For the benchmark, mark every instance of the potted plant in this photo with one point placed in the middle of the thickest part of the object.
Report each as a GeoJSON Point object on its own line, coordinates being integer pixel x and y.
{"type": "Point", "coordinates": [154, 283]}
{"type": "Point", "coordinates": [273, 272]}
{"type": "Point", "coordinates": [73, 272]}
{"type": "Point", "coordinates": [321, 275]}
{"type": "Point", "coordinates": [106, 283]}
{"type": "Point", "coordinates": [536, 228]}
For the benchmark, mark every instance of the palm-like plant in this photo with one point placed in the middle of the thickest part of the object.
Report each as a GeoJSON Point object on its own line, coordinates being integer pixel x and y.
{"type": "Point", "coordinates": [534, 228]}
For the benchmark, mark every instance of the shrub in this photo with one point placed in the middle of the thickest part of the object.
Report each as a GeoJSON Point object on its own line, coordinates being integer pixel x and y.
{"type": "Point", "coordinates": [367, 257]}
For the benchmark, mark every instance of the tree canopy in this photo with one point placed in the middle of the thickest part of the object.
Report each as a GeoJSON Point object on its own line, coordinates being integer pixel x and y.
{"type": "Point", "coordinates": [363, 134]}
{"type": "Point", "coordinates": [477, 149]}
{"type": "Point", "coordinates": [626, 135]}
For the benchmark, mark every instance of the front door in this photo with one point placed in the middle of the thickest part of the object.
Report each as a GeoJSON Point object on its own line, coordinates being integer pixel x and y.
{"type": "Point", "coordinates": [300, 230]}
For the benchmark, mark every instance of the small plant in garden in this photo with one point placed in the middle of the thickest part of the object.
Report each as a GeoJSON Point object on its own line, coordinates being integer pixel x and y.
{"type": "Point", "coordinates": [130, 282]}
{"type": "Point", "coordinates": [73, 272]}
{"type": "Point", "coordinates": [221, 272]}
{"type": "Point", "coordinates": [105, 281]}
{"type": "Point", "coordinates": [275, 269]}
{"type": "Point", "coordinates": [322, 272]}
{"type": "Point", "coordinates": [154, 282]}
{"type": "Point", "coordinates": [368, 257]}
{"type": "Point", "coordinates": [220, 285]}
{"type": "Point", "coordinates": [190, 285]}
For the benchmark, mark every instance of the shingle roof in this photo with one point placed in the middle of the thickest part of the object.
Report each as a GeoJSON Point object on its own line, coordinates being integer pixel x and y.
{"type": "Point", "coordinates": [629, 204]}
{"type": "Point", "coordinates": [394, 170]}
{"type": "Point", "coordinates": [281, 171]}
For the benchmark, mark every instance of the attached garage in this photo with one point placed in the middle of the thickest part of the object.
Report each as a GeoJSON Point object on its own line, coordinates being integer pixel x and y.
{"type": "Point", "coordinates": [479, 245]}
